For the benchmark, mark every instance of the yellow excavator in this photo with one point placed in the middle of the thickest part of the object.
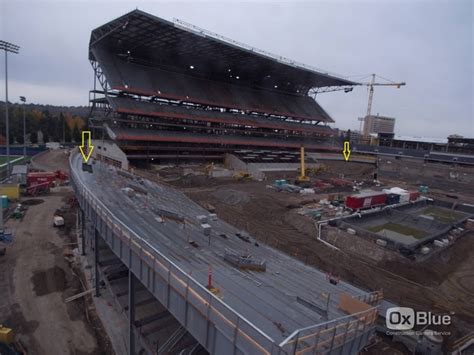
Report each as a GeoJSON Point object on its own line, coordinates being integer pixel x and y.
{"type": "Point", "coordinates": [242, 176]}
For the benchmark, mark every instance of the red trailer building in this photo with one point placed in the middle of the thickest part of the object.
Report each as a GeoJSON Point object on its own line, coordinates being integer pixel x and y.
{"type": "Point", "coordinates": [36, 178]}
{"type": "Point", "coordinates": [366, 199]}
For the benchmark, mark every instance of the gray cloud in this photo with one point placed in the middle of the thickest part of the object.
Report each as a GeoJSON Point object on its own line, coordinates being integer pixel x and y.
{"type": "Point", "coordinates": [428, 44]}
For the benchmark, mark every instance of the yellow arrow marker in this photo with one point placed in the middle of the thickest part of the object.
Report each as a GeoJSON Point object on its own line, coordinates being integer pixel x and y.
{"type": "Point", "coordinates": [347, 151]}
{"type": "Point", "coordinates": [86, 147]}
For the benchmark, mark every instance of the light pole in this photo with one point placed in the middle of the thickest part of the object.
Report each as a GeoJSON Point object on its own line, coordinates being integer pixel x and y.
{"type": "Point", "coordinates": [23, 99]}
{"type": "Point", "coordinates": [12, 48]}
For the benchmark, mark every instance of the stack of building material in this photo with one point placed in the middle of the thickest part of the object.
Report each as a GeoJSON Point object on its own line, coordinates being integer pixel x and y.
{"type": "Point", "coordinates": [340, 182]}
{"type": "Point", "coordinates": [137, 188]}
{"type": "Point", "coordinates": [202, 219]}
{"type": "Point", "coordinates": [287, 187]}
{"type": "Point", "coordinates": [404, 194]}
{"type": "Point", "coordinates": [206, 228]}
{"type": "Point", "coordinates": [245, 261]}
{"type": "Point", "coordinates": [321, 185]}
{"type": "Point", "coordinates": [470, 224]}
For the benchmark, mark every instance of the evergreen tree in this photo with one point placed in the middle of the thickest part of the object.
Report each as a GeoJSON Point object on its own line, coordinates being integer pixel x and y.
{"type": "Point", "coordinates": [76, 134]}
{"type": "Point", "coordinates": [34, 137]}
{"type": "Point", "coordinates": [67, 136]}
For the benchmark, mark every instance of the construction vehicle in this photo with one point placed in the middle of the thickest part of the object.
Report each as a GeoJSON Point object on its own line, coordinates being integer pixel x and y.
{"type": "Point", "coordinates": [302, 178]}
{"type": "Point", "coordinates": [19, 212]}
{"type": "Point", "coordinates": [242, 176]}
{"type": "Point", "coordinates": [38, 189]}
{"type": "Point", "coordinates": [317, 169]}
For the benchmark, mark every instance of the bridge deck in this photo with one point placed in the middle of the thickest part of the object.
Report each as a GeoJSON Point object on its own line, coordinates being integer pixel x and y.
{"type": "Point", "coordinates": [267, 299]}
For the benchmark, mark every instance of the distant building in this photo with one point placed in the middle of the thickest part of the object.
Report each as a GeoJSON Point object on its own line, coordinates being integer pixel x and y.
{"type": "Point", "coordinates": [459, 144]}
{"type": "Point", "coordinates": [412, 142]}
{"type": "Point", "coordinates": [454, 144]}
{"type": "Point", "coordinates": [378, 124]}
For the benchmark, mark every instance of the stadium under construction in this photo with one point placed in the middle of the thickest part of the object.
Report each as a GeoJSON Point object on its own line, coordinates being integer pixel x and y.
{"type": "Point", "coordinates": [214, 208]}
{"type": "Point", "coordinates": [170, 90]}
{"type": "Point", "coordinates": [171, 93]}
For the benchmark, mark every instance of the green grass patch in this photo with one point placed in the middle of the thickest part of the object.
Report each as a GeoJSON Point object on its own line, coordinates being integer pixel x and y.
{"type": "Point", "coordinates": [3, 158]}
{"type": "Point", "coordinates": [14, 160]}
{"type": "Point", "coordinates": [442, 214]}
{"type": "Point", "coordinates": [406, 230]}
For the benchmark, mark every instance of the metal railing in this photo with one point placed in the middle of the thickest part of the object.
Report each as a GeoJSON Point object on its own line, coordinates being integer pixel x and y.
{"type": "Point", "coordinates": [324, 337]}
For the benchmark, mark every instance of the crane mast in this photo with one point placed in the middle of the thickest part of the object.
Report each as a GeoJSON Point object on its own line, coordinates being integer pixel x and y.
{"type": "Point", "coordinates": [371, 85]}
{"type": "Point", "coordinates": [371, 95]}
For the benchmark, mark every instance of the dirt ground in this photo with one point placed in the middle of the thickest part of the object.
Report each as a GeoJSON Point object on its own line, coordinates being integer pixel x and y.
{"type": "Point", "coordinates": [51, 160]}
{"type": "Point", "coordinates": [39, 272]}
{"type": "Point", "coordinates": [444, 283]}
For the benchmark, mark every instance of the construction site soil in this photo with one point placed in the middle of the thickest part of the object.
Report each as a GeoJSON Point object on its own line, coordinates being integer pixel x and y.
{"type": "Point", "coordinates": [40, 271]}
{"type": "Point", "coordinates": [442, 283]}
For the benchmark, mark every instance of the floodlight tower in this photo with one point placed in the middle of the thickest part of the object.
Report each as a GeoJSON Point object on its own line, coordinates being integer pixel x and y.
{"type": "Point", "coordinates": [12, 48]}
{"type": "Point", "coordinates": [23, 99]}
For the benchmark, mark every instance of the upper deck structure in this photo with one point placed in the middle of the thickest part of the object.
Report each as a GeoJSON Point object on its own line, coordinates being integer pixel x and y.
{"type": "Point", "coordinates": [176, 78]}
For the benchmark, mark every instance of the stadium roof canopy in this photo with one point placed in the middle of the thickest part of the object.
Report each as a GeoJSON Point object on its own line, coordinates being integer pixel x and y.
{"type": "Point", "coordinates": [147, 39]}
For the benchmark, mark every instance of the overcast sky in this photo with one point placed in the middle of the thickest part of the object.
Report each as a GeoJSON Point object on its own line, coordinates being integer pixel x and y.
{"type": "Point", "coordinates": [428, 44]}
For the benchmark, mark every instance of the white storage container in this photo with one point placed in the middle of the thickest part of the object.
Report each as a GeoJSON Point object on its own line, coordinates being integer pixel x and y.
{"type": "Point", "coordinates": [381, 242]}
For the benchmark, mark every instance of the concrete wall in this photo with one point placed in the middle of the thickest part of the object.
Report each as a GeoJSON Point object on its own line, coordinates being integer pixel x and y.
{"type": "Point", "coordinates": [110, 152]}
{"type": "Point", "coordinates": [232, 162]}
{"type": "Point", "coordinates": [257, 170]}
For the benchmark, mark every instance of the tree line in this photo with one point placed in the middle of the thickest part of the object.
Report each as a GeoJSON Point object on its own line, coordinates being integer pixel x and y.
{"type": "Point", "coordinates": [57, 124]}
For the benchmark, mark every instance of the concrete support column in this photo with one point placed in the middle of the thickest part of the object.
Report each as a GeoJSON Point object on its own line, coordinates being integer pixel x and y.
{"type": "Point", "coordinates": [131, 312]}
{"type": "Point", "coordinates": [96, 262]}
{"type": "Point", "coordinates": [83, 234]}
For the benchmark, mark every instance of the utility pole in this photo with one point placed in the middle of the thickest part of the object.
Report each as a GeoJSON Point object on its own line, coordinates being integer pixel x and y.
{"type": "Point", "coordinates": [12, 48]}
{"type": "Point", "coordinates": [23, 99]}
{"type": "Point", "coordinates": [64, 128]}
